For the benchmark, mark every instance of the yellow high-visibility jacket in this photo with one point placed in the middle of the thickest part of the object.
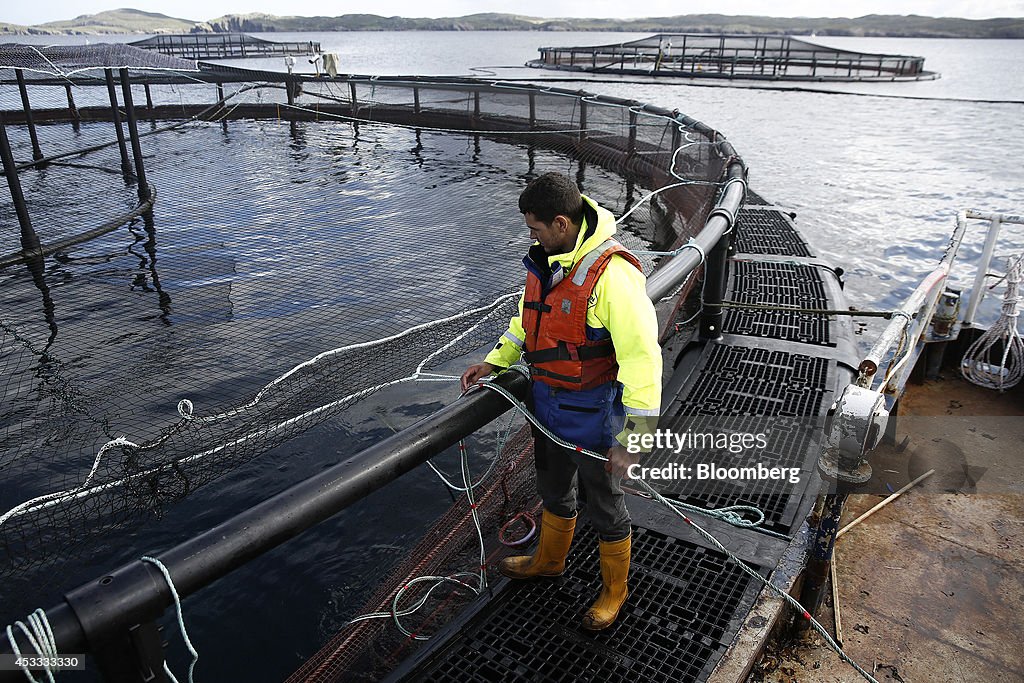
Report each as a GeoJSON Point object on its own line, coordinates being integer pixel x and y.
{"type": "Point", "coordinates": [621, 306]}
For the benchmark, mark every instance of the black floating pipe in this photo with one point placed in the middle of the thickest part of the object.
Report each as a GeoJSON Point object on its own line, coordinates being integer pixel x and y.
{"type": "Point", "coordinates": [95, 613]}
{"type": "Point", "coordinates": [133, 134]}
{"type": "Point", "coordinates": [716, 270]}
{"type": "Point", "coordinates": [115, 111]}
{"type": "Point", "coordinates": [29, 239]}
{"type": "Point", "coordinates": [37, 153]}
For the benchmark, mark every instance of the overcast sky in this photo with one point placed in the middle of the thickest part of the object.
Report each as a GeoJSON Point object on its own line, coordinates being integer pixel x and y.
{"type": "Point", "coordinates": [27, 12]}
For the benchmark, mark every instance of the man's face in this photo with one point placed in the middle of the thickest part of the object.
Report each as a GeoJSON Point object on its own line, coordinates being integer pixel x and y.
{"type": "Point", "coordinates": [551, 236]}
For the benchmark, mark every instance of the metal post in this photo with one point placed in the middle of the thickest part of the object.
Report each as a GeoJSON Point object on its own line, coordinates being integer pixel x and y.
{"type": "Point", "coordinates": [29, 240]}
{"type": "Point", "coordinates": [533, 110]}
{"type": "Point", "coordinates": [220, 93]}
{"type": "Point", "coordinates": [416, 101]}
{"type": "Point", "coordinates": [354, 103]}
{"type": "Point", "coordinates": [37, 153]}
{"type": "Point", "coordinates": [149, 97]}
{"type": "Point", "coordinates": [71, 103]}
{"type": "Point", "coordinates": [631, 147]}
{"type": "Point", "coordinates": [583, 119]}
{"type": "Point", "coordinates": [978, 290]}
{"type": "Point", "coordinates": [133, 133]}
{"type": "Point", "coordinates": [816, 576]}
{"type": "Point", "coordinates": [115, 111]}
{"type": "Point", "coordinates": [715, 271]}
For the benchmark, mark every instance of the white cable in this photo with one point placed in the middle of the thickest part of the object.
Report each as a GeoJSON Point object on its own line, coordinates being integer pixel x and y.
{"type": "Point", "coordinates": [181, 620]}
{"type": "Point", "coordinates": [40, 637]}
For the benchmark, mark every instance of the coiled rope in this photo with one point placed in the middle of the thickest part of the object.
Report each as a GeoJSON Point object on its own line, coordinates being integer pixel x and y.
{"type": "Point", "coordinates": [979, 363]}
{"type": "Point", "coordinates": [40, 637]}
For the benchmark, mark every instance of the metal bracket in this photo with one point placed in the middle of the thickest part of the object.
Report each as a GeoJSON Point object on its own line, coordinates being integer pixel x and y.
{"type": "Point", "coordinates": [853, 427]}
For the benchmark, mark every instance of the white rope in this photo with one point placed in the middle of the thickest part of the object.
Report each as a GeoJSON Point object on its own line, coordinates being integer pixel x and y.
{"type": "Point", "coordinates": [181, 620]}
{"type": "Point", "coordinates": [436, 582]}
{"type": "Point", "coordinates": [33, 503]}
{"type": "Point", "coordinates": [40, 637]}
{"type": "Point", "coordinates": [185, 411]}
{"type": "Point", "coordinates": [983, 364]}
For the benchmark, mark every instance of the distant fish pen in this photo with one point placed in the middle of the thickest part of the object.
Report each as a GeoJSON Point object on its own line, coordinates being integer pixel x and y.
{"type": "Point", "coordinates": [223, 46]}
{"type": "Point", "coordinates": [692, 55]}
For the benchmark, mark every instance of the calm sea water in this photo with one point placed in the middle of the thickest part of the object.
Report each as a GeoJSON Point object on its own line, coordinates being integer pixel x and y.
{"type": "Point", "coordinates": [875, 173]}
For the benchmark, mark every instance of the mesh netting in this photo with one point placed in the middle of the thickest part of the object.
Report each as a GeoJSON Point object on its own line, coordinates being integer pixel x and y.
{"type": "Point", "coordinates": [45, 61]}
{"type": "Point", "coordinates": [366, 650]}
{"type": "Point", "coordinates": [299, 258]}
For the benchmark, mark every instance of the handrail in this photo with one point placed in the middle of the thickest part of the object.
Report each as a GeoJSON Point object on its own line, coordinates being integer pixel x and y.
{"type": "Point", "coordinates": [719, 223]}
{"type": "Point", "coordinates": [137, 592]}
{"type": "Point", "coordinates": [912, 318]}
{"type": "Point", "coordinates": [926, 293]}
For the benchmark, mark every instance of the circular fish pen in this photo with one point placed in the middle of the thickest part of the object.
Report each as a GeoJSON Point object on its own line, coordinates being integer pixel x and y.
{"type": "Point", "coordinates": [695, 55]}
{"type": "Point", "coordinates": [319, 258]}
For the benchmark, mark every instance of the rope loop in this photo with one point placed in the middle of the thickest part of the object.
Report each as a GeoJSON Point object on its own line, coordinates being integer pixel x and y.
{"type": "Point", "coordinates": [531, 531]}
{"type": "Point", "coordinates": [185, 409]}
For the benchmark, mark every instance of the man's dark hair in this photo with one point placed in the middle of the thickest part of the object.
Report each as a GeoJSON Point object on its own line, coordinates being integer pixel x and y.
{"type": "Point", "coordinates": [550, 195]}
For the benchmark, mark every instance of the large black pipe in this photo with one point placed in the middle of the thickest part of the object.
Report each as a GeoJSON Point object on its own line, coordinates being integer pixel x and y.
{"type": "Point", "coordinates": [37, 153]}
{"type": "Point", "coordinates": [115, 112]}
{"type": "Point", "coordinates": [95, 612]}
{"type": "Point", "coordinates": [716, 271]}
{"type": "Point", "coordinates": [29, 239]}
{"type": "Point", "coordinates": [133, 134]}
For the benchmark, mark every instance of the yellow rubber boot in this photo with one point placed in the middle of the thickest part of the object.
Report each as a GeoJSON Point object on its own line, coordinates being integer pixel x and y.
{"type": "Point", "coordinates": [614, 571]}
{"type": "Point", "coordinates": [549, 559]}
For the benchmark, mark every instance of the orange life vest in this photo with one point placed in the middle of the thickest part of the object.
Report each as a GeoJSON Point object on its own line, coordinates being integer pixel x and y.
{"type": "Point", "coordinates": [557, 347]}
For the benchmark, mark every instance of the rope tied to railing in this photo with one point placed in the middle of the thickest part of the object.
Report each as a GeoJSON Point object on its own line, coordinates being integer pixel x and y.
{"type": "Point", "coordinates": [980, 364]}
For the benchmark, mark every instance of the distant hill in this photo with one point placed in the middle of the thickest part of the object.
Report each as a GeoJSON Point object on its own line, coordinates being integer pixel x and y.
{"type": "Point", "coordinates": [135, 21]}
{"type": "Point", "coordinates": [122, 21]}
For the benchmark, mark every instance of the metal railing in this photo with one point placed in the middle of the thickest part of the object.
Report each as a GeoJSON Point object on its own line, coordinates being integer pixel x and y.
{"type": "Point", "coordinates": [910, 323]}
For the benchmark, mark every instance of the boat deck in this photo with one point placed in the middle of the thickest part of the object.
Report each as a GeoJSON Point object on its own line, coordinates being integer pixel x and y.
{"type": "Point", "coordinates": [687, 599]}
{"type": "Point", "coordinates": [931, 587]}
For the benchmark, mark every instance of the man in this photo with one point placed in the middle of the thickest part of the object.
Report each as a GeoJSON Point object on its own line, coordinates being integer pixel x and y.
{"type": "Point", "coordinates": [589, 333]}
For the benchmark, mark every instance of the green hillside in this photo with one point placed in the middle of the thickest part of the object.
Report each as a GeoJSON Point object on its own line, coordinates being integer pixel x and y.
{"type": "Point", "coordinates": [121, 21]}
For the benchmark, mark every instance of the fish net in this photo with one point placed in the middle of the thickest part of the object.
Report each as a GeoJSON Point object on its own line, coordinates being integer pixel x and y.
{"type": "Point", "coordinates": [306, 256]}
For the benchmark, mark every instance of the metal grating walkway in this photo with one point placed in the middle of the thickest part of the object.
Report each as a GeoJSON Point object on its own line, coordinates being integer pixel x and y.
{"type": "Point", "coordinates": [744, 380]}
{"type": "Point", "coordinates": [760, 231]}
{"type": "Point", "coordinates": [686, 604]}
{"type": "Point", "coordinates": [778, 284]}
